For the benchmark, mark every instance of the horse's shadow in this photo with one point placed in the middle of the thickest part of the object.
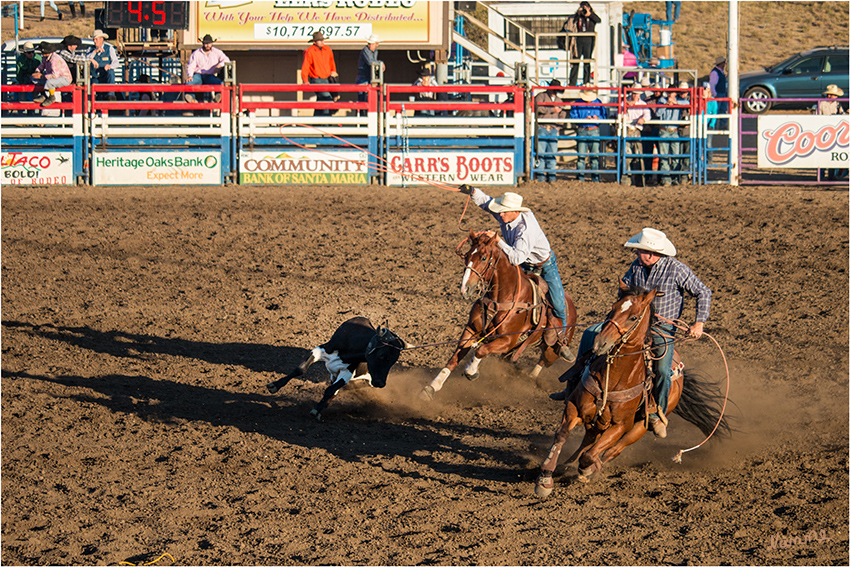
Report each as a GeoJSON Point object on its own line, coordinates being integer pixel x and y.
{"type": "Point", "coordinates": [166, 401]}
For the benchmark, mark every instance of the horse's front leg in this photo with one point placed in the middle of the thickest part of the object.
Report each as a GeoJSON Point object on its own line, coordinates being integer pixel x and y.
{"type": "Point", "coordinates": [545, 484]}
{"type": "Point", "coordinates": [589, 462]}
{"type": "Point", "coordinates": [466, 342]}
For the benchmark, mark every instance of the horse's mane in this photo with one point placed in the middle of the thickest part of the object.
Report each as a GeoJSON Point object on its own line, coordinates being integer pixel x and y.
{"type": "Point", "coordinates": [636, 290]}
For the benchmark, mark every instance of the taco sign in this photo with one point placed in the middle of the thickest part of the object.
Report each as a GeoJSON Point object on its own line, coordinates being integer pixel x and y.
{"type": "Point", "coordinates": [803, 142]}
{"type": "Point", "coordinates": [36, 168]}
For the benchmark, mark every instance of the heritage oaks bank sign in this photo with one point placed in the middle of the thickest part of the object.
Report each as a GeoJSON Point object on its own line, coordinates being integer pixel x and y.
{"type": "Point", "coordinates": [259, 24]}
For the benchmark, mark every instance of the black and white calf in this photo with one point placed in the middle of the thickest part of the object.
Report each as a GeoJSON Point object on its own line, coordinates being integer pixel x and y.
{"type": "Point", "coordinates": [356, 350]}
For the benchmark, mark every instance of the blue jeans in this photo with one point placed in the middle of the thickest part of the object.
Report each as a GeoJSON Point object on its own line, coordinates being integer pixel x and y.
{"type": "Point", "coordinates": [671, 16]}
{"type": "Point", "coordinates": [663, 367]}
{"type": "Point", "coordinates": [665, 149]}
{"type": "Point", "coordinates": [586, 147]}
{"type": "Point", "coordinates": [547, 147]}
{"type": "Point", "coordinates": [549, 273]}
{"type": "Point", "coordinates": [204, 79]}
{"type": "Point", "coordinates": [322, 96]}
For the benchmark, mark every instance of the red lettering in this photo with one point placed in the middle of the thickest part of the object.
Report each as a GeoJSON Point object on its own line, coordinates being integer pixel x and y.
{"type": "Point", "coordinates": [790, 141]}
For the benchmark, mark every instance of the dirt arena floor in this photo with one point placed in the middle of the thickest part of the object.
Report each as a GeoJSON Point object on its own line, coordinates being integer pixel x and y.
{"type": "Point", "coordinates": [140, 326]}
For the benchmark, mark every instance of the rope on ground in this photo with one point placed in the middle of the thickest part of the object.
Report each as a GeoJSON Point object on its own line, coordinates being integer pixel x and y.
{"type": "Point", "coordinates": [152, 562]}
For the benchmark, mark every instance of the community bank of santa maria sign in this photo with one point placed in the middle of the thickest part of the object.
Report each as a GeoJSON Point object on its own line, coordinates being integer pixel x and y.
{"type": "Point", "coordinates": [316, 167]}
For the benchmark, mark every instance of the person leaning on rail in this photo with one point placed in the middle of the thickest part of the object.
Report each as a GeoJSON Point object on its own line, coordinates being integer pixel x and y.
{"type": "Point", "coordinates": [653, 268]}
{"type": "Point", "coordinates": [319, 68]}
{"type": "Point", "coordinates": [524, 243]}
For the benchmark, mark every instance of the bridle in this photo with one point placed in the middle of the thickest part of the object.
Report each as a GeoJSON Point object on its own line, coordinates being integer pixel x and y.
{"type": "Point", "coordinates": [490, 267]}
{"type": "Point", "coordinates": [626, 335]}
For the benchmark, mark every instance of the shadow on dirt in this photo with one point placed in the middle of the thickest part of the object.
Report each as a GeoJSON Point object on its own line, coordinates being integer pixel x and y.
{"type": "Point", "coordinates": [355, 436]}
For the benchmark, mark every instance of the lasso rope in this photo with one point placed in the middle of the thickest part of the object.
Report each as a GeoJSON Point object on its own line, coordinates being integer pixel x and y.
{"type": "Point", "coordinates": [388, 168]}
{"type": "Point", "coordinates": [151, 563]}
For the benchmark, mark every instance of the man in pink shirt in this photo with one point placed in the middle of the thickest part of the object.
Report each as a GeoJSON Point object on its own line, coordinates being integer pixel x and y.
{"type": "Point", "coordinates": [204, 64]}
{"type": "Point", "coordinates": [52, 74]}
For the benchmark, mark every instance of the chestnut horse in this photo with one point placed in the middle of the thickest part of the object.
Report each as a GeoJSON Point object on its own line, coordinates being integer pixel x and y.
{"type": "Point", "coordinates": [611, 398]}
{"type": "Point", "coordinates": [511, 312]}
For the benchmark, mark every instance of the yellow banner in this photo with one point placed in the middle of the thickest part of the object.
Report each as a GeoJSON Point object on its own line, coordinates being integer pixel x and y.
{"type": "Point", "coordinates": [294, 22]}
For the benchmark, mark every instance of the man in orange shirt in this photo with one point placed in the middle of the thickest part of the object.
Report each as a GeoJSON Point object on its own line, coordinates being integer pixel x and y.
{"type": "Point", "coordinates": [319, 69]}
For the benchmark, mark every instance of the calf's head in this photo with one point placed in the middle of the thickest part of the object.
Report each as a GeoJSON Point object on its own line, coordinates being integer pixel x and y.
{"type": "Point", "coordinates": [383, 351]}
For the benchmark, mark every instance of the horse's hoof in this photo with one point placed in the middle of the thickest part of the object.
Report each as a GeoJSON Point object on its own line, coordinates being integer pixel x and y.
{"type": "Point", "coordinates": [272, 388]}
{"type": "Point", "coordinates": [543, 486]}
{"type": "Point", "coordinates": [583, 479]}
{"type": "Point", "coordinates": [315, 413]}
{"type": "Point", "coordinates": [472, 377]}
{"type": "Point", "coordinates": [427, 394]}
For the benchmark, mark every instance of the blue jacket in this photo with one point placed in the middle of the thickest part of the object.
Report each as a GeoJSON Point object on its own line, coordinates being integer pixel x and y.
{"type": "Point", "coordinates": [594, 108]}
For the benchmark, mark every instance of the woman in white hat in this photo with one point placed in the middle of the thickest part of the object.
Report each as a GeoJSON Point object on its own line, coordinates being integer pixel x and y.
{"type": "Point", "coordinates": [524, 243]}
{"type": "Point", "coordinates": [368, 56]}
{"type": "Point", "coordinates": [655, 267]}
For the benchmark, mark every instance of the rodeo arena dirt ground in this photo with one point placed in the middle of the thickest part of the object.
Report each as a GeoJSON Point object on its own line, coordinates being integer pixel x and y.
{"type": "Point", "coordinates": [141, 325]}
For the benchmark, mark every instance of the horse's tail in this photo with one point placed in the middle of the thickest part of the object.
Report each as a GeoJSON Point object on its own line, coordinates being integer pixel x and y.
{"type": "Point", "coordinates": [701, 403]}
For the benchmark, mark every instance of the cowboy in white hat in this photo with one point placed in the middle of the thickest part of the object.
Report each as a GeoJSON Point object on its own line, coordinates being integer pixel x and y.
{"type": "Point", "coordinates": [828, 107]}
{"type": "Point", "coordinates": [586, 131]}
{"type": "Point", "coordinates": [655, 267]}
{"type": "Point", "coordinates": [26, 63]}
{"type": "Point", "coordinates": [104, 59]}
{"type": "Point", "coordinates": [368, 57]}
{"type": "Point", "coordinates": [525, 244]}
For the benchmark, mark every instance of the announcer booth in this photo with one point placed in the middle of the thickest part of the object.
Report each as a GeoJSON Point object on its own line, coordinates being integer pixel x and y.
{"type": "Point", "coordinates": [284, 133]}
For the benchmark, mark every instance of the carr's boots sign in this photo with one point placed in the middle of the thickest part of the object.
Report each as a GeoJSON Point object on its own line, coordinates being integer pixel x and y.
{"type": "Point", "coordinates": [803, 142]}
{"type": "Point", "coordinates": [37, 168]}
{"type": "Point", "coordinates": [156, 168]}
{"type": "Point", "coordinates": [480, 168]}
{"type": "Point", "coordinates": [303, 167]}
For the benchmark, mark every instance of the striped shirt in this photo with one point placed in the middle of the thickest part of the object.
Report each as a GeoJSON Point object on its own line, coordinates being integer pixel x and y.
{"type": "Point", "coordinates": [672, 278]}
{"type": "Point", "coordinates": [522, 239]}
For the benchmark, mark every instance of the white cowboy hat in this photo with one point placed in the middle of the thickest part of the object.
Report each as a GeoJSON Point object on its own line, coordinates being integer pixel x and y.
{"type": "Point", "coordinates": [507, 203]}
{"type": "Point", "coordinates": [373, 39]}
{"type": "Point", "coordinates": [99, 33]}
{"type": "Point", "coordinates": [833, 89]}
{"type": "Point", "coordinates": [653, 241]}
{"type": "Point", "coordinates": [684, 85]}
{"type": "Point", "coordinates": [720, 60]}
{"type": "Point", "coordinates": [28, 46]}
{"type": "Point", "coordinates": [588, 95]}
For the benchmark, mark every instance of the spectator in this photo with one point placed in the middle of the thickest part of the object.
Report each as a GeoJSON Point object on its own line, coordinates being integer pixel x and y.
{"type": "Point", "coordinates": [104, 61]}
{"type": "Point", "coordinates": [74, 12]}
{"type": "Point", "coordinates": [52, 74]}
{"type": "Point", "coordinates": [673, 11]}
{"type": "Point", "coordinates": [146, 96]}
{"type": "Point", "coordinates": [319, 68]}
{"type": "Point", "coordinates": [26, 63]}
{"type": "Point", "coordinates": [649, 131]}
{"type": "Point", "coordinates": [710, 105]}
{"type": "Point", "coordinates": [830, 107]}
{"type": "Point", "coordinates": [719, 87]}
{"type": "Point", "coordinates": [52, 5]}
{"type": "Point", "coordinates": [637, 114]}
{"type": "Point", "coordinates": [593, 110]}
{"type": "Point", "coordinates": [426, 79]}
{"type": "Point", "coordinates": [671, 111]}
{"type": "Point", "coordinates": [586, 20]}
{"type": "Point", "coordinates": [203, 67]}
{"type": "Point", "coordinates": [69, 53]}
{"type": "Point", "coordinates": [368, 56]}
{"type": "Point", "coordinates": [547, 133]}
{"type": "Point", "coordinates": [684, 132]}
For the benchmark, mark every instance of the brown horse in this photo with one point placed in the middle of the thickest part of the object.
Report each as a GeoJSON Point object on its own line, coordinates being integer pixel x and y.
{"type": "Point", "coordinates": [510, 313]}
{"type": "Point", "coordinates": [611, 398]}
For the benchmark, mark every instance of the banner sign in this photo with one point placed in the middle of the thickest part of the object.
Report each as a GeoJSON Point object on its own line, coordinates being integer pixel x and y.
{"type": "Point", "coordinates": [37, 168]}
{"type": "Point", "coordinates": [477, 168]}
{"type": "Point", "coordinates": [157, 168]}
{"type": "Point", "coordinates": [303, 167]}
{"type": "Point", "coordinates": [803, 142]}
{"type": "Point", "coordinates": [293, 22]}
